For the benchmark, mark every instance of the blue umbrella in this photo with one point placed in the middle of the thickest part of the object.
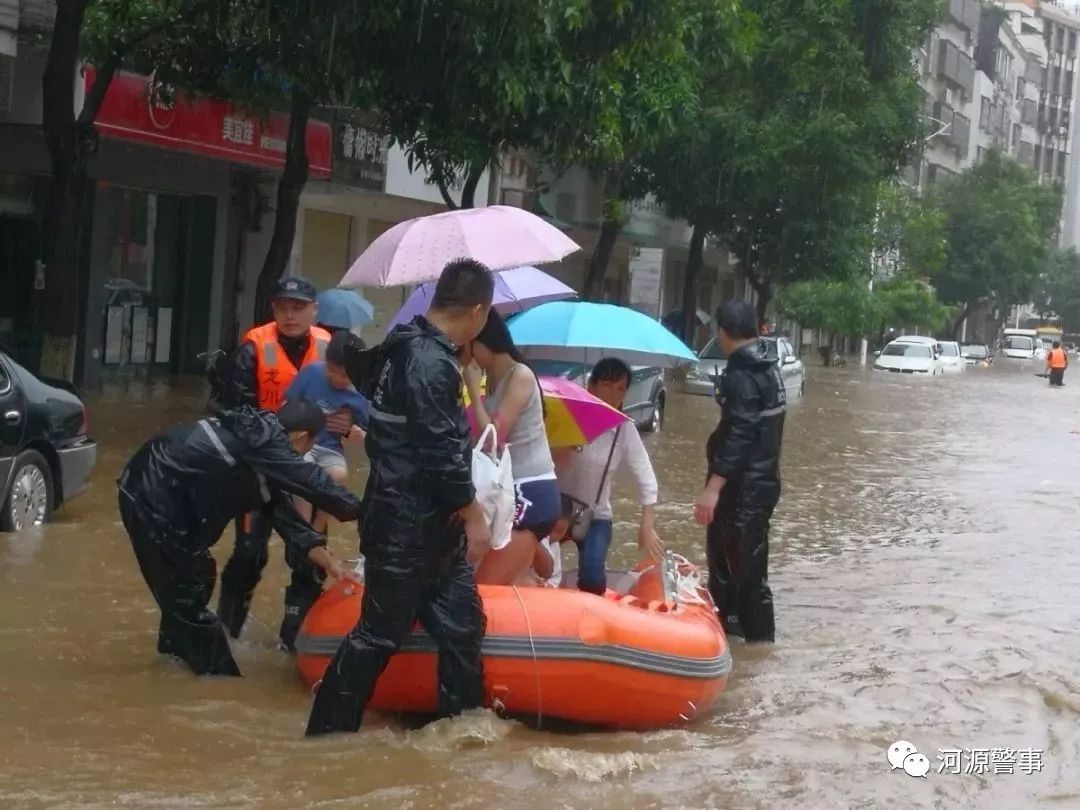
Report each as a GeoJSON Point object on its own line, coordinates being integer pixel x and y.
{"type": "Point", "coordinates": [344, 309]}
{"type": "Point", "coordinates": [579, 331]}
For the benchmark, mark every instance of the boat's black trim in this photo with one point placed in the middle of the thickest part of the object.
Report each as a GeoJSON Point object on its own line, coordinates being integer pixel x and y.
{"type": "Point", "coordinates": [554, 648]}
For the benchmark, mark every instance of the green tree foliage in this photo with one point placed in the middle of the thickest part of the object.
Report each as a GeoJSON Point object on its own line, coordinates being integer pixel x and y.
{"type": "Point", "coordinates": [840, 307]}
{"type": "Point", "coordinates": [1058, 290]}
{"type": "Point", "coordinates": [1000, 224]}
{"type": "Point", "coordinates": [849, 308]}
{"type": "Point", "coordinates": [639, 96]}
{"type": "Point", "coordinates": [474, 78]}
{"type": "Point", "coordinates": [909, 234]}
{"type": "Point", "coordinates": [905, 302]}
{"type": "Point", "coordinates": [827, 108]}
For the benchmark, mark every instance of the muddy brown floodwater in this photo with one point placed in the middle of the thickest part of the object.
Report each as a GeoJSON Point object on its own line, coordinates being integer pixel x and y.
{"type": "Point", "coordinates": [926, 561]}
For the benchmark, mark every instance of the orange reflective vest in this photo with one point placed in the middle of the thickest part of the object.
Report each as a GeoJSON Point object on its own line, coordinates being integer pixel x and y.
{"type": "Point", "coordinates": [274, 372]}
{"type": "Point", "coordinates": [1057, 358]}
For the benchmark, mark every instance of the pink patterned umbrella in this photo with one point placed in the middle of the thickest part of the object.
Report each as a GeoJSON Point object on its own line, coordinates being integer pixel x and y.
{"type": "Point", "coordinates": [416, 250]}
{"type": "Point", "coordinates": [574, 417]}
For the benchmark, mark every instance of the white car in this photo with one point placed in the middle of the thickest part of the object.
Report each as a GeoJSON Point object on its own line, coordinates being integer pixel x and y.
{"type": "Point", "coordinates": [908, 357]}
{"type": "Point", "coordinates": [950, 357]}
{"type": "Point", "coordinates": [1022, 344]}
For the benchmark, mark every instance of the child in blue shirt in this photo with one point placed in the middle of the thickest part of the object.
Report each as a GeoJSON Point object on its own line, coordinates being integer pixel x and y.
{"type": "Point", "coordinates": [327, 385]}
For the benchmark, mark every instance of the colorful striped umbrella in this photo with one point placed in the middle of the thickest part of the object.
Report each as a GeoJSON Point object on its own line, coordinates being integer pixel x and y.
{"type": "Point", "coordinates": [574, 417]}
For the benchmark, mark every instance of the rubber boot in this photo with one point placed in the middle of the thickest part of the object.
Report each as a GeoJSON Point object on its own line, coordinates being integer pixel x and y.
{"type": "Point", "coordinates": [201, 644]}
{"type": "Point", "coordinates": [296, 608]}
{"type": "Point", "coordinates": [333, 711]}
{"type": "Point", "coordinates": [233, 610]}
{"type": "Point", "coordinates": [305, 586]}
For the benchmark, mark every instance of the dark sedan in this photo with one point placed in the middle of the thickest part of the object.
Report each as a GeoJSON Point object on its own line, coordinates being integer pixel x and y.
{"type": "Point", "coordinates": [45, 455]}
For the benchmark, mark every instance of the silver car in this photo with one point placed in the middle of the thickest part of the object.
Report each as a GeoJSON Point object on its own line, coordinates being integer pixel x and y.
{"type": "Point", "coordinates": [704, 375]}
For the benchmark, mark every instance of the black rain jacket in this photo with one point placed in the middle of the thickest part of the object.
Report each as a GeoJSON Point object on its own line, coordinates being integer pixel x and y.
{"type": "Point", "coordinates": [745, 447]}
{"type": "Point", "coordinates": [195, 478]}
{"type": "Point", "coordinates": [418, 440]}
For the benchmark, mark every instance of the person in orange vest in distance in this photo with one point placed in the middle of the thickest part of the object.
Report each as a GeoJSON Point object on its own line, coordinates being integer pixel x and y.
{"type": "Point", "coordinates": [1056, 363]}
{"type": "Point", "coordinates": [263, 366]}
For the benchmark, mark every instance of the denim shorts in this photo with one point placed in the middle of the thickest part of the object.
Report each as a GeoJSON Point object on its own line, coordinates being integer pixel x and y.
{"type": "Point", "coordinates": [538, 506]}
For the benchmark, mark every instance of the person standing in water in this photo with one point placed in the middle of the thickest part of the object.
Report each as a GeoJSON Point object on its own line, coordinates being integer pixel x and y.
{"type": "Point", "coordinates": [262, 368]}
{"type": "Point", "coordinates": [422, 527]}
{"type": "Point", "coordinates": [1056, 363]}
{"type": "Point", "coordinates": [743, 482]}
{"type": "Point", "coordinates": [180, 490]}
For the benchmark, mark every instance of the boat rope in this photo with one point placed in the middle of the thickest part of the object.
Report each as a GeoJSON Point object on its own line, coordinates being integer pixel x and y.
{"type": "Point", "coordinates": [682, 580]}
{"type": "Point", "coordinates": [536, 663]}
{"type": "Point", "coordinates": [687, 584]}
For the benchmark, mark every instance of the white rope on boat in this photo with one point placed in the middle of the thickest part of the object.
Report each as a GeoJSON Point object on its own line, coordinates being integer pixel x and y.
{"type": "Point", "coordinates": [536, 663]}
{"type": "Point", "coordinates": [685, 580]}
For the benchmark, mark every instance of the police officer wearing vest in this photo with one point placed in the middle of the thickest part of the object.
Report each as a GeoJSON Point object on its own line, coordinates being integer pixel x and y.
{"type": "Point", "coordinates": [263, 366]}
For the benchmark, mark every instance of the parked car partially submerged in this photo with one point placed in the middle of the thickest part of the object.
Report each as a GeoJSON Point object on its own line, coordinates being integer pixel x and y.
{"type": "Point", "coordinates": [45, 454]}
{"type": "Point", "coordinates": [975, 353]}
{"type": "Point", "coordinates": [703, 376]}
{"type": "Point", "coordinates": [907, 356]}
{"type": "Point", "coordinates": [952, 361]}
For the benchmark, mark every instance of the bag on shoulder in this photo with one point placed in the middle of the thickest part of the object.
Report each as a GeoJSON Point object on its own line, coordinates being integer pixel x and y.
{"type": "Point", "coordinates": [580, 514]}
{"type": "Point", "coordinates": [493, 478]}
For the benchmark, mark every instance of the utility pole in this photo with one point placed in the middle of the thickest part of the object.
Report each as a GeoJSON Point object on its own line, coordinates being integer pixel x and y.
{"type": "Point", "coordinates": [942, 129]}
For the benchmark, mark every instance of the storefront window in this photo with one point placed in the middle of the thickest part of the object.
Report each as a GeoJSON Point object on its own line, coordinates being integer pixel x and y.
{"type": "Point", "coordinates": [141, 283]}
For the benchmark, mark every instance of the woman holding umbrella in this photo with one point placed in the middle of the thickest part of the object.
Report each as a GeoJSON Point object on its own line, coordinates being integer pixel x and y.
{"type": "Point", "coordinates": [516, 408]}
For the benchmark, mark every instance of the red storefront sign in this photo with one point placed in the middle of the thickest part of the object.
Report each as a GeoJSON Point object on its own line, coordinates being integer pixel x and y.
{"type": "Point", "coordinates": [204, 126]}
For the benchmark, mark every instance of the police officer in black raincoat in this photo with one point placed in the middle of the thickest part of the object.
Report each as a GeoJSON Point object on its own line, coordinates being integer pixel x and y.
{"type": "Point", "coordinates": [422, 526]}
{"type": "Point", "coordinates": [743, 485]}
{"type": "Point", "coordinates": [293, 342]}
{"type": "Point", "coordinates": [180, 490]}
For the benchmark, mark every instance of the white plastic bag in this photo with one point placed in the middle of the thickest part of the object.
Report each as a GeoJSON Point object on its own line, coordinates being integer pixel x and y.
{"type": "Point", "coordinates": [493, 477]}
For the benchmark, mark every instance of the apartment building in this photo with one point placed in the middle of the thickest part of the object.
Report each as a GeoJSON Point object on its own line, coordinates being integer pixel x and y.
{"type": "Point", "coordinates": [947, 65]}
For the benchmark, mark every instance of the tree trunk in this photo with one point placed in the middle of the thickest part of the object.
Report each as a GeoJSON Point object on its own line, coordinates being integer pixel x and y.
{"type": "Point", "coordinates": [63, 214]}
{"type": "Point", "coordinates": [472, 180]}
{"type": "Point", "coordinates": [954, 324]}
{"type": "Point", "coordinates": [289, 188]}
{"type": "Point", "coordinates": [596, 270]}
{"type": "Point", "coordinates": [764, 291]}
{"type": "Point", "coordinates": [444, 192]}
{"type": "Point", "coordinates": [694, 261]}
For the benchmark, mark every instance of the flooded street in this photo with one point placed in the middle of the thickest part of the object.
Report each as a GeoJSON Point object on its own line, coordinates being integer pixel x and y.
{"type": "Point", "coordinates": [926, 565]}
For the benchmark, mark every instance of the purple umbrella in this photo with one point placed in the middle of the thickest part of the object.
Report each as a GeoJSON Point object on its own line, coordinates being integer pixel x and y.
{"type": "Point", "coordinates": [515, 290]}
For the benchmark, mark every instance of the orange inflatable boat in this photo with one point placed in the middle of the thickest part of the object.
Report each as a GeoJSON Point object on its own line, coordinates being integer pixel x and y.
{"type": "Point", "coordinates": [631, 659]}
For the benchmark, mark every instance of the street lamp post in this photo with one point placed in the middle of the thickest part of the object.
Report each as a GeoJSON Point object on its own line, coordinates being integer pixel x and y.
{"type": "Point", "coordinates": [943, 128]}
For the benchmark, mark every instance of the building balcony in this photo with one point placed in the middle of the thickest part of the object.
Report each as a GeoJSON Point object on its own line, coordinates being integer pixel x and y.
{"type": "Point", "coordinates": [956, 67]}
{"type": "Point", "coordinates": [966, 14]}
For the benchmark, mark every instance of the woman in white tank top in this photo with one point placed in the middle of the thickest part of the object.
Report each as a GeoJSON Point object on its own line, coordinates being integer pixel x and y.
{"type": "Point", "coordinates": [515, 406]}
